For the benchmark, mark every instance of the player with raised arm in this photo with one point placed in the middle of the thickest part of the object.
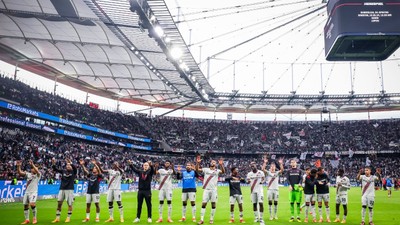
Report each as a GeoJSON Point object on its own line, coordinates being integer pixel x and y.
{"type": "Point", "coordinates": [309, 193]}
{"type": "Point", "coordinates": [342, 187]}
{"type": "Point", "coordinates": [66, 188]}
{"type": "Point", "coordinates": [31, 191]}
{"type": "Point", "coordinates": [256, 178]}
{"type": "Point", "coordinates": [235, 193]}
{"type": "Point", "coordinates": [188, 189]}
{"type": "Point", "coordinates": [93, 188]}
{"type": "Point", "coordinates": [145, 177]}
{"type": "Point", "coordinates": [307, 172]}
{"type": "Point", "coordinates": [322, 186]}
{"type": "Point", "coordinates": [294, 177]}
{"type": "Point", "coordinates": [273, 186]}
{"type": "Point", "coordinates": [368, 193]}
{"type": "Point", "coordinates": [210, 186]}
{"type": "Point", "coordinates": [114, 191]}
{"type": "Point", "coordinates": [389, 185]}
{"type": "Point", "coordinates": [165, 188]}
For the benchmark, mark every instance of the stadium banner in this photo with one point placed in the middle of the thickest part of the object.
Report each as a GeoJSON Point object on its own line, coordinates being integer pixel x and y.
{"type": "Point", "coordinates": [15, 193]}
{"type": "Point", "coordinates": [48, 117]}
{"type": "Point", "coordinates": [70, 133]}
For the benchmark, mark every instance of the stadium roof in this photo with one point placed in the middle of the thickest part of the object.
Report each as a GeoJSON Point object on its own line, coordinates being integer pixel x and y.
{"type": "Point", "coordinates": [261, 56]}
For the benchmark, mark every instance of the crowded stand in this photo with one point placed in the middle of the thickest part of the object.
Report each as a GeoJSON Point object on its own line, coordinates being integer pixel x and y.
{"type": "Point", "coordinates": [188, 137]}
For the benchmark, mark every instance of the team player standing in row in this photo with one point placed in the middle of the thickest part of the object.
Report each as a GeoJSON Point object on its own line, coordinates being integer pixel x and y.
{"type": "Point", "coordinates": [210, 186]}
{"type": "Point", "coordinates": [313, 179]}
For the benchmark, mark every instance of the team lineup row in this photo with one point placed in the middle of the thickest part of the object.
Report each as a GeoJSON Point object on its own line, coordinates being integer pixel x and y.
{"type": "Point", "coordinates": [313, 181]}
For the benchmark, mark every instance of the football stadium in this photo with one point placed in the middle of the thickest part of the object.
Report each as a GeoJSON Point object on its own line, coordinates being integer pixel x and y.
{"type": "Point", "coordinates": [199, 112]}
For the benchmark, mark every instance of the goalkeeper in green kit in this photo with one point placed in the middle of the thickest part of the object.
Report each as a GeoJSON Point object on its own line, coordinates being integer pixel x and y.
{"type": "Point", "coordinates": [294, 177]}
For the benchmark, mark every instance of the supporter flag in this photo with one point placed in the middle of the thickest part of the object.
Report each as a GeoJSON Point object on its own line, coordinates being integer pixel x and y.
{"type": "Point", "coordinates": [263, 137]}
{"type": "Point", "coordinates": [310, 126]}
{"type": "Point", "coordinates": [230, 137]}
{"type": "Point", "coordinates": [394, 144]}
{"type": "Point", "coordinates": [351, 153]}
{"type": "Point", "coordinates": [48, 129]}
{"type": "Point", "coordinates": [303, 156]}
{"type": "Point", "coordinates": [279, 142]}
{"type": "Point", "coordinates": [367, 162]}
{"type": "Point", "coordinates": [319, 154]}
{"type": "Point", "coordinates": [241, 143]}
{"type": "Point", "coordinates": [337, 155]}
{"type": "Point", "coordinates": [334, 163]}
{"type": "Point", "coordinates": [376, 125]}
{"type": "Point", "coordinates": [317, 163]}
{"type": "Point", "coordinates": [302, 133]}
{"type": "Point", "coordinates": [287, 135]}
{"type": "Point", "coordinates": [273, 157]}
{"type": "Point", "coordinates": [255, 128]}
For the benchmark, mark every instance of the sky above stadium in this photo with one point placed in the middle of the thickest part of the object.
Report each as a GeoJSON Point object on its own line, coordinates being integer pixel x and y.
{"type": "Point", "coordinates": [288, 54]}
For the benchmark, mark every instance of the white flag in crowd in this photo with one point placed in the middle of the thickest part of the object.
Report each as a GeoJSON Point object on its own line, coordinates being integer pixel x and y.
{"type": "Point", "coordinates": [351, 153]}
{"type": "Point", "coordinates": [367, 162]}
{"type": "Point", "coordinates": [288, 135]}
{"type": "Point", "coordinates": [303, 156]}
{"type": "Point", "coordinates": [335, 163]}
{"type": "Point", "coordinates": [319, 154]}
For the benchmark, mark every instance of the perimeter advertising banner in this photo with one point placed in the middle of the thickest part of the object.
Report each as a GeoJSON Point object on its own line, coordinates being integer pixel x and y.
{"type": "Point", "coordinates": [12, 193]}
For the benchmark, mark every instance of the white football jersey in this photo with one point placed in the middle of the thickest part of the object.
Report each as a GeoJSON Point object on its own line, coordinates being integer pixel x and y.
{"type": "Point", "coordinates": [114, 179]}
{"type": "Point", "coordinates": [210, 178]}
{"type": "Point", "coordinates": [256, 179]}
{"type": "Point", "coordinates": [32, 182]}
{"type": "Point", "coordinates": [165, 178]}
{"type": "Point", "coordinates": [368, 185]}
{"type": "Point", "coordinates": [273, 180]}
{"type": "Point", "coordinates": [342, 190]}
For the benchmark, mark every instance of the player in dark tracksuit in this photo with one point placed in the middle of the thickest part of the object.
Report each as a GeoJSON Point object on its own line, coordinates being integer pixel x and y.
{"type": "Point", "coordinates": [309, 192]}
{"type": "Point", "coordinates": [294, 177]}
{"type": "Point", "coordinates": [235, 193]}
{"type": "Point", "coordinates": [322, 186]}
{"type": "Point", "coordinates": [145, 178]}
{"type": "Point", "coordinates": [66, 188]}
{"type": "Point", "coordinates": [93, 190]}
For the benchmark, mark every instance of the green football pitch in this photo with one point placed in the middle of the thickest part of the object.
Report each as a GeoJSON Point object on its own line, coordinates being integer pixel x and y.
{"type": "Point", "coordinates": [386, 211]}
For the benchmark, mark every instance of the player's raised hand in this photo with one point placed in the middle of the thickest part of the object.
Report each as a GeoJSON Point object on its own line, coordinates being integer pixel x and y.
{"type": "Point", "coordinates": [31, 162]}
{"type": "Point", "coordinates": [82, 162]}
{"type": "Point", "coordinates": [265, 159]}
{"type": "Point", "coordinates": [198, 159]}
{"type": "Point", "coordinates": [179, 168]}
{"type": "Point", "coordinates": [53, 161]}
{"type": "Point", "coordinates": [280, 161]}
{"type": "Point", "coordinates": [94, 161]}
{"type": "Point", "coordinates": [67, 160]}
{"type": "Point", "coordinates": [18, 163]}
{"type": "Point", "coordinates": [221, 161]}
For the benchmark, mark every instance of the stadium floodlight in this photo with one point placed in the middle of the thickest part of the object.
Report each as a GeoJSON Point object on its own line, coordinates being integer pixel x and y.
{"type": "Point", "coordinates": [136, 52]}
{"type": "Point", "coordinates": [159, 31]}
{"type": "Point", "coordinates": [167, 40]}
{"type": "Point", "coordinates": [193, 78]}
{"type": "Point", "coordinates": [176, 53]}
{"type": "Point", "coordinates": [132, 48]}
